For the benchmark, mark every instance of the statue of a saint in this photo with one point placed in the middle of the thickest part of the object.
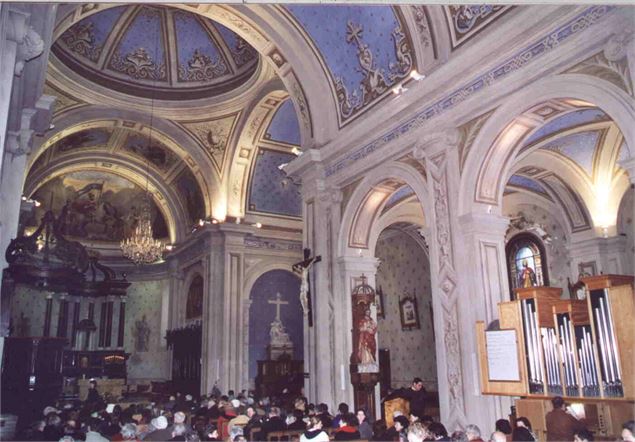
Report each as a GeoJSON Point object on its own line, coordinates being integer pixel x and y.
{"type": "Point", "coordinates": [527, 277]}
{"type": "Point", "coordinates": [279, 337]}
{"type": "Point", "coordinates": [141, 333]}
{"type": "Point", "coordinates": [367, 347]}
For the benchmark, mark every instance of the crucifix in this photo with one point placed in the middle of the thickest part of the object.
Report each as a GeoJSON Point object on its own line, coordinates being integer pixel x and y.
{"type": "Point", "coordinates": [278, 302]}
{"type": "Point", "coordinates": [303, 268]}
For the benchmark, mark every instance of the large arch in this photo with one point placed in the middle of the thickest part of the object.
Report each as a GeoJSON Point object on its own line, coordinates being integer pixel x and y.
{"type": "Point", "coordinates": [497, 144]}
{"type": "Point", "coordinates": [166, 132]}
{"type": "Point", "coordinates": [369, 197]}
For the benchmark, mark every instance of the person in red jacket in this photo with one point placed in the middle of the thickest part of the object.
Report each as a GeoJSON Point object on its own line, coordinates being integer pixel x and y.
{"type": "Point", "coordinates": [348, 428]}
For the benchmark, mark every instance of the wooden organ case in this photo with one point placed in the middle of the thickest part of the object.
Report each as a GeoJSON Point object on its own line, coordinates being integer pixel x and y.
{"type": "Point", "coordinates": [582, 350]}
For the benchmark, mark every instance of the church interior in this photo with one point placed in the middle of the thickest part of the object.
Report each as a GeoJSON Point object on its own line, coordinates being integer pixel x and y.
{"type": "Point", "coordinates": [326, 200]}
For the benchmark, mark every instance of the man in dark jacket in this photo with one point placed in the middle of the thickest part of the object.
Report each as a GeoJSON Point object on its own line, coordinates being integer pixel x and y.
{"type": "Point", "coordinates": [561, 426]}
{"type": "Point", "coordinates": [415, 394]}
{"type": "Point", "coordinates": [274, 423]}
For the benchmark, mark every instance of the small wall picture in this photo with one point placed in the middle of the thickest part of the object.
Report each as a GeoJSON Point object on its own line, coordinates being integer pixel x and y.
{"type": "Point", "coordinates": [586, 269]}
{"type": "Point", "coordinates": [409, 313]}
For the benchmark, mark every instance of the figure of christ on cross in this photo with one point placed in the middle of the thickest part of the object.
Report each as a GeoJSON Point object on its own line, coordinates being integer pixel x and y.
{"type": "Point", "coordinates": [303, 268]}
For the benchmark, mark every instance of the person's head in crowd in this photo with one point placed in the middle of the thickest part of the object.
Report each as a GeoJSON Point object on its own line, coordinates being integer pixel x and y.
{"type": "Point", "coordinates": [523, 422]}
{"type": "Point", "coordinates": [557, 402]}
{"type": "Point", "coordinates": [178, 432]}
{"type": "Point", "coordinates": [67, 438]}
{"type": "Point", "coordinates": [628, 431]}
{"type": "Point", "coordinates": [503, 426]}
{"type": "Point", "coordinates": [179, 417]}
{"type": "Point", "coordinates": [498, 436]}
{"type": "Point", "coordinates": [426, 420]}
{"type": "Point", "coordinates": [92, 384]}
{"type": "Point", "coordinates": [583, 435]}
{"type": "Point", "coordinates": [250, 411]}
{"type": "Point", "coordinates": [274, 412]}
{"type": "Point", "coordinates": [129, 432]}
{"type": "Point", "coordinates": [401, 423]}
{"type": "Point", "coordinates": [437, 430]}
{"type": "Point", "coordinates": [473, 432]}
{"type": "Point", "coordinates": [160, 423]}
{"type": "Point", "coordinates": [315, 423]}
{"type": "Point", "coordinates": [360, 414]}
{"type": "Point", "coordinates": [211, 432]}
{"type": "Point", "coordinates": [322, 408]}
{"type": "Point", "coordinates": [38, 426]}
{"type": "Point", "coordinates": [522, 434]}
{"type": "Point", "coordinates": [417, 384]}
{"type": "Point", "coordinates": [342, 408]}
{"type": "Point", "coordinates": [459, 436]}
{"type": "Point", "coordinates": [417, 432]}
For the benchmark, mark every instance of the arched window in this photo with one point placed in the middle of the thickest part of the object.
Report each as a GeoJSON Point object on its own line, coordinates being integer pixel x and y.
{"type": "Point", "coordinates": [526, 262]}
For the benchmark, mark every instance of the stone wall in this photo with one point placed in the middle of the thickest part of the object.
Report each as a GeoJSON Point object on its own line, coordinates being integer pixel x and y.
{"type": "Point", "coordinates": [404, 270]}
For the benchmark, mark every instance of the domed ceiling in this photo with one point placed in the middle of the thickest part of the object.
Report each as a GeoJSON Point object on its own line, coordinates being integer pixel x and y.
{"type": "Point", "coordinates": [157, 52]}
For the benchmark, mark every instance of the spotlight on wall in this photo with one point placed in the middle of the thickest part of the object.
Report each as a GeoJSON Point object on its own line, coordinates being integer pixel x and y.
{"type": "Point", "coordinates": [295, 151]}
{"type": "Point", "coordinates": [37, 203]}
{"type": "Point", "coordinates": [416, 75]}
{"type": "Point", "coordinates": [258, 225]}
{"type": "Point", "coordinates": [282, 166]}
{"type": "Point", "coordinates": [237, 220]}
{"type": "Point", "coordinates": [214, 221]}
{"type": "Point", "coordinates": [169, 247]}
{"type": "Point", "coordinates": [201, 222]}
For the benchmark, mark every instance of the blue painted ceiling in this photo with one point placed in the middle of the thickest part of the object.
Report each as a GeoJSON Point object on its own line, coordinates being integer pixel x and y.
{"type": "Point", "coordinates": [527, 183]}
{"type": "Point", "coordinates": [284, 125]}
{"type": "Point", "coordinates": [271, 191]}
{"type": "Point", "coordinates": [365, 48]}
{"type": "Point", "coordinates": [579, 147]}
{"type": "Point", "coordinates": [128, 48]}
{"type": "Point", "coordinates": [567, 121]}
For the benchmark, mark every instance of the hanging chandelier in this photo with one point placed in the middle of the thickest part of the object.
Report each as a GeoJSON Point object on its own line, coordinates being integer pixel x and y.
{"type": "Point", "coordinates": [141, 247]}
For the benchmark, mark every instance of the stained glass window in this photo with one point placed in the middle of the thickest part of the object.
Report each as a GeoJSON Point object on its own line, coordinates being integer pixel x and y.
{"type": "Point", "coordinates": [526, 261]}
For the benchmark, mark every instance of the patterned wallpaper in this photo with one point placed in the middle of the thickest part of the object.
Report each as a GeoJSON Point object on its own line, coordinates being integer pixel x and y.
{"type": "Point", "coordinates": [144, 298]}
{"type": "Point", "coordinates": [626, 226]}
{"type": "Point", "coordinates": [558, 259]}
{"type": "Point", "coordinates": [405, 268]}
{"type": "Point", "coordinates": [261, 314]}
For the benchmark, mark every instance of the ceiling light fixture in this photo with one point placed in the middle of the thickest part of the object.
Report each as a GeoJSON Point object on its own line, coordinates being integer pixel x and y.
{"type": "Point", "coordinates": [141, 247]}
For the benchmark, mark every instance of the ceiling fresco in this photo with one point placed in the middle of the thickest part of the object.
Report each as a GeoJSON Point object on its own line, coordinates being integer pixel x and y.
{"type": "Point", "coordinates": [94, 206]}
{"type": "Point", "coordinates": [284, 127]}
{"type": "Point", "coordinates": [569, 120]}
{"type": "Point", "coordinates": [366, 50]}
{"type": "Point", "coordinates": [155, 152]}
{"type": "Point", "coordinates": [84, 139]}
{"type": "Point", "coordinates": [579, 147]}
{"type": "Point", "coordinates": [271, 191]}
{"type": "Point", "coordinates": [527, 184]}
{"type": "Point", "coordinates": [190, 192]}
{"type": "Point", "coordinates": [465, 21]}
{"type": "Point", "coordinates": [158, 52]}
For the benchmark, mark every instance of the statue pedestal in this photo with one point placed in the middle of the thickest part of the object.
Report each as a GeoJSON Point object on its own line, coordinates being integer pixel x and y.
{"type": "Point", "coordinates": [274, 352]}
{"type": "Point", "coordinates": [364, 389]}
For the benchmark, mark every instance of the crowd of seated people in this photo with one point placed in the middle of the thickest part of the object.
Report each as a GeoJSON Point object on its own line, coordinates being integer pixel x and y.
{"type": "Point", "coordinates": [242, 417]}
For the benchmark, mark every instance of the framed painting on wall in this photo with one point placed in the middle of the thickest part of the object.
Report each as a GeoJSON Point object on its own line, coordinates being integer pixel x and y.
{"type": "Point", "coordinates": [381, 313]}
{"type": "Point", "coordinates": [409, 313]}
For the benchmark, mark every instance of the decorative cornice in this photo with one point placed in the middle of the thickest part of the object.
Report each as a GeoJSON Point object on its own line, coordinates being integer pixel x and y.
{"type": "Point", "coordinates": [522, 58]}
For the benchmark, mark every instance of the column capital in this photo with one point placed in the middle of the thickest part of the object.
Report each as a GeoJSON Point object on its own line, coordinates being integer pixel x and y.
{"type": "Point", "coordinates": [359, 264]}
{"type": "Point", "coordinates": [433, 142]}
{"type": "Point", "coordinates": [618, 45]}
{"type": "Point", "coordinates": [484, 223]}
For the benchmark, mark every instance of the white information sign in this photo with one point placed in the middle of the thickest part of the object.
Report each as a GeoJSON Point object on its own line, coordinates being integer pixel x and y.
{"type": "Point", "coordinates": [502, 355]}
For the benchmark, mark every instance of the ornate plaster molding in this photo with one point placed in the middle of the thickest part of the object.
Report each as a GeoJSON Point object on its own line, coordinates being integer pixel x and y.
{"type": "Point", "coordinates": [29, 48]}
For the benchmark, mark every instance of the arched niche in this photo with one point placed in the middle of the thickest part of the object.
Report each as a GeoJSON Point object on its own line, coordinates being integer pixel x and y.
{"type": "Point", "coordinates": [262, 313]}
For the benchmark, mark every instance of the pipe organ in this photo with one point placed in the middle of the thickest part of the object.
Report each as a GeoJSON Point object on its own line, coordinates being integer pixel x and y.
{"type": "Point", "coordinates": [583, 350]}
